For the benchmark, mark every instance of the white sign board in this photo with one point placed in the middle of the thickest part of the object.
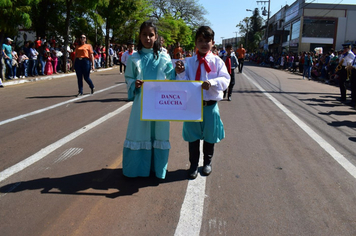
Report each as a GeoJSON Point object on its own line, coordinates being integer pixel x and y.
{"type": "Point", "coordinates": [172, 100]}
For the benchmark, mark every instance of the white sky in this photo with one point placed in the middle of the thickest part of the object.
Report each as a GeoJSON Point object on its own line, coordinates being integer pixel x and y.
{"type": "Point", "coordinates": [224, 15]}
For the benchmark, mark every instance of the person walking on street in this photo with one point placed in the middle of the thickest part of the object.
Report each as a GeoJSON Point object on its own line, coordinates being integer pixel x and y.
{"type": "Point", "coordinates": [120, 53]}
{"type": "Point", "coordinates": [231, 63]}
{"type": "Point", "coordinates": [146, 147]}
{"type": "Point", "coordinates": [345, 60]}
{"type": "Point", "coordinates": [211, 70]}
{"type": "Point", "coordinates": [84, 61]}
{"type": "Point", "coordinates": [241, 52]}
{"type": "Point", "coordinates": [129, 52]}
{"type": "Point", "coordinates": [177, 50]}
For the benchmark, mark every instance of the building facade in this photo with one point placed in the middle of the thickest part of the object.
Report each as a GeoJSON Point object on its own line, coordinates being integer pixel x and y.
{"type": "Point", "coordinates": [233, 41]}
{"type": "Point", "coordinates": [305, 26]}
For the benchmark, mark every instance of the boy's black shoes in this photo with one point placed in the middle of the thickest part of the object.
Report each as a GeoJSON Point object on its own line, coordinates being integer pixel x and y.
{"type": "Point", "coordinates": [92, 91]}
{"type": "Point", "coordinates": [79, 94]}
{"type": "Point", "coordinates": [193, 172]}
{"type": "Point", "coordinates": [207, 170]}
{"type": "Point", "coordinates": [229, 98]}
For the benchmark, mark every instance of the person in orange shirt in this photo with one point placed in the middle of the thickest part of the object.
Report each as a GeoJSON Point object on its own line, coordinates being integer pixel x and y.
{"type": "Point", "coordinates": [84, 60]}
{"type": "Point", "coordinates": [241, 52]}
{"type": "Point", "coordinates": [177, 50]}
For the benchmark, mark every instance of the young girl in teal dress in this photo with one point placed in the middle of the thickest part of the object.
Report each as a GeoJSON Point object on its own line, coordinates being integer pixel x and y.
{"type": "Point", "coordinates": [146, 147]}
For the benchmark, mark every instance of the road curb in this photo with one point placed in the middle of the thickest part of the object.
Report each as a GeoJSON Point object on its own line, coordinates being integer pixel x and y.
{"type": "Point", "coordinates": [40, 78]}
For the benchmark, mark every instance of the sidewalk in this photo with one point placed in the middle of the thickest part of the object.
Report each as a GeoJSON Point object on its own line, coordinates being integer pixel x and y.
{"type": "Point", "coordinates": [45, 77]}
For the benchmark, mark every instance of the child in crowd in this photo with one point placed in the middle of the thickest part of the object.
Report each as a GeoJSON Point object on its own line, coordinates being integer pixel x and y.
{"type": "Point", "coordinates": [48, 67]}
{"type": "Point", "coordinates": [121, 51]}
{"type": "Point", "coordinates": [22, 65]}
{"type": "Point", "coordinates": [146, 147]}
{"type": "Point", "coordinates": [231, 63]}
{"type": "Point", "coordinates": [129, 52]}
{"type": "Point", "coordinates": [54, 59]}
{"type": "Point", "coordinates": [211, 69]}
{"type": "Point", "coordinates": [14, 62]}
{"type": "Point", "coordinates": [96, 60]}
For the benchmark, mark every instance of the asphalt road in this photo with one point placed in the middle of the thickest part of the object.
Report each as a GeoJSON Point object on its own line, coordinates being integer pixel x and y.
{"type": "Point", "coordinates": [286, 166]}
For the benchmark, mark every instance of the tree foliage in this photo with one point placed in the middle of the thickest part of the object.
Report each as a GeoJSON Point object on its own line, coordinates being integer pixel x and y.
{"type": "Point", "coordinates": [128, 28]}
{"type": "Point", "coordinates": [189, 11]}
{"type": "Point", "coordinates": [251, 28]}
{"type": "Point", "coordinates": [174, 30]}
{"type": "Point", "coordinates": [103, 21]}
{"type": "Point", "coordinates": [14, 14]}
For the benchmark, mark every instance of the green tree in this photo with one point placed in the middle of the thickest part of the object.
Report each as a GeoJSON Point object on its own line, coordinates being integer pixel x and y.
{"type": "Point", "coordinates": [129, 29]}
{"type": "Point", "coordinates": [14, 14]}
{"type": "Point", "coordinates": [256, 22]}
{"type": "Point", "coordinates": [189, 11]}
{"type": "Point", "coordinates": [118, 13]}
{"type": "Point", "coordinates": [244, 29]}
{"type": "Point", "coordinates": [83, 6]}
{"type": "Point", "coordinates": [175, 31]}
{"type": "Point", "coordinates": [251, 28]}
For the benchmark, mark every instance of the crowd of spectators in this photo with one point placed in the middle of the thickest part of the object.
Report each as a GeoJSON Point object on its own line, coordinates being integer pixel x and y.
{"type": "Point", "coordinates": [46, 57]}
{"type": "Point", "coordinates": [319, 66]}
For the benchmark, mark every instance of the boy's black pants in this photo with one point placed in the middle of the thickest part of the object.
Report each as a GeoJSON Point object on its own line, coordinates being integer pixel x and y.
{"type": "Point", "coordinates": [241, 64]}
{"type": "Point", "coordinates": [231, 85]}
{"type": "Point", "coordinates": [194, 153]}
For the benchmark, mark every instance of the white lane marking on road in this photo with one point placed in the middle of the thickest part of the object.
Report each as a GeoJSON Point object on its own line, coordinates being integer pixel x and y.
{"type": "Point", "coordinates": [69, 153]}
{"type": "Point", "coordinates": [53, 106]}
{"type": "Point", "coordinates": [346, 164]}
{"type": "Point", "coordinates": [191, 213]}
{"type": "Point", "coordinates": [47, 150]}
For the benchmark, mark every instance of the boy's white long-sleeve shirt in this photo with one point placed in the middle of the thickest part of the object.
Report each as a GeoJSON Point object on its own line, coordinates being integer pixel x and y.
{"type": "Point", "coordinates": [125, 56]}
{"type": "Point", "coordinates": [218, 77]}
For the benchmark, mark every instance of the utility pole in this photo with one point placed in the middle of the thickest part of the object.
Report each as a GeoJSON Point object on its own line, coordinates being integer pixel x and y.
{"type": "Point", "coordinates": [222, 41]}
{"type": "Point", "coordinates": [236, 37]}
{"type": "Point", "coordinates": [264, 13]}
{"type": "Point", "coordinates": [246, 38]}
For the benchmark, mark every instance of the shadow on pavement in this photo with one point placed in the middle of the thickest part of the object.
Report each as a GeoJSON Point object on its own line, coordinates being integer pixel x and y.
{"type": "Point", "coordinates": [346, 123]}
{"type": "Point", "coordinates": [94, 183]}
{"type": "Point", "coordinates": [68, 96]}
{"type": "Point", "coordinates": [338, 113]}
{"type": "Point", "coordinates": [106, 100]}
{"type": "Point", "coordinates": [353, 139]}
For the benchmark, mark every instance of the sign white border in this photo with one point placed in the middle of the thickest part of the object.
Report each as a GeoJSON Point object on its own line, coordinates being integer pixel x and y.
{"type": "Point", "coordinates": [193, 109]}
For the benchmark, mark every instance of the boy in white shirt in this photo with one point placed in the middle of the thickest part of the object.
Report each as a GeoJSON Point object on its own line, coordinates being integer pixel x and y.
{"type": "Point", "coordinates": [211, 69]}
{"type": "Point", "coordinates": [129, 52]}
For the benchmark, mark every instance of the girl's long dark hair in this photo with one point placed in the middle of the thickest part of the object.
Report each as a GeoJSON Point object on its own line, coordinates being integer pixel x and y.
{"type": "Point", "coordinates": [156, 45]}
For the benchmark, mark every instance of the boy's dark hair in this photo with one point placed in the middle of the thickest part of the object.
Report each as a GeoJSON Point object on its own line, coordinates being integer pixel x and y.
{"type": "Point", "coordinates": [228, 46]}
{"type": "Point", "coordinates": [206, 32]}
{"type": "Point", "coordinates": [156, 45]}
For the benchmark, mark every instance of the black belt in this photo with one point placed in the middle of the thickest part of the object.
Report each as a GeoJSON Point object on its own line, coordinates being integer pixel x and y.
{"type": "Point", "coordinates": [208, 103]}
{"type": "Point", "coordinates": [82, 58]}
